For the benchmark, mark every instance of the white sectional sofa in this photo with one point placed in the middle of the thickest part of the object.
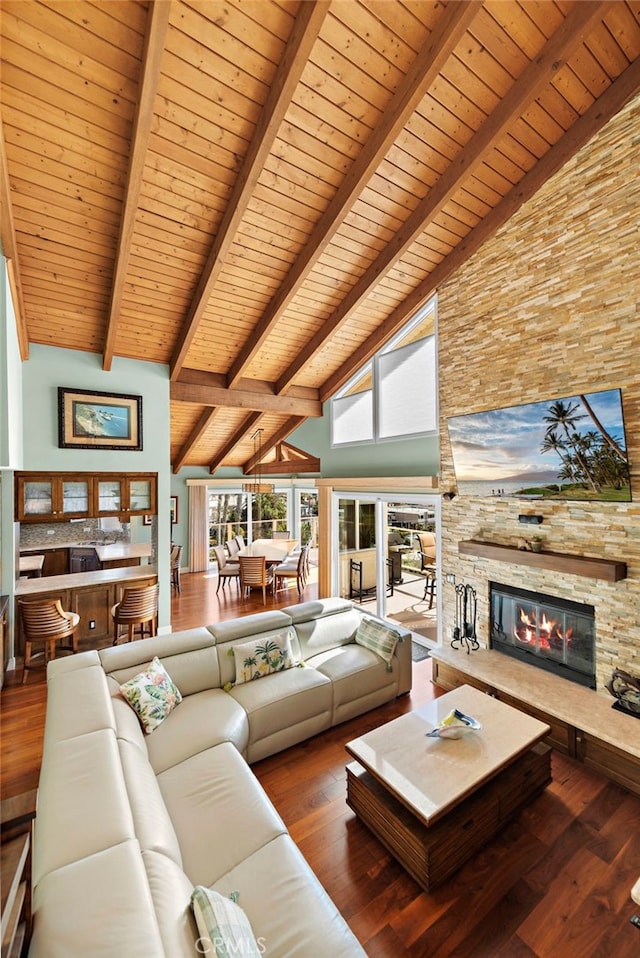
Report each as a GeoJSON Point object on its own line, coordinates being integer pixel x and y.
{"type": "Point", "coordinates": [128, 823]}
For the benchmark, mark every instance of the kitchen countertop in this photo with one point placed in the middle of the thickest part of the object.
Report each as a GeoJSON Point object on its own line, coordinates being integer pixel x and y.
{"type": "Point", "coordinates": [78, 580]}
{"type": "Point", "coordinates": [105, 552]}
{"type": "Point", "coordinates": [123, 550]}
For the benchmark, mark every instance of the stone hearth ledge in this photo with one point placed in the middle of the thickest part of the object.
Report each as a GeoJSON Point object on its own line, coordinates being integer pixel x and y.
{"type": "Point", "coordinates": [582, 708]}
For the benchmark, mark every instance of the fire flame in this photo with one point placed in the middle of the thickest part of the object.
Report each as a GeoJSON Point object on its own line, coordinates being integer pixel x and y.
{"type": "Point", "coordinates": [549, 631]}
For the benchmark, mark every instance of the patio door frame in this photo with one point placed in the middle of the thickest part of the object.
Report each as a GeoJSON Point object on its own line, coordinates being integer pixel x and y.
{"type": "Point", "coordinates": [381, 501]}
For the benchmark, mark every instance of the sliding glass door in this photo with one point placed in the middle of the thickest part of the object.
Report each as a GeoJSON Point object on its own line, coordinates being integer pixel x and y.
{"type": "Point", "coordinates": [385, 557]}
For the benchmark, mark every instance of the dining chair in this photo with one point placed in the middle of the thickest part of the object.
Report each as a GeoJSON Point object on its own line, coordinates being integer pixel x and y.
{"type": "Point", "coordinates": [176, 556]}
{"type": "Point", "coordinates": [292, 569]}
{"type": "Point", "coordinates": [226, 569]}
{"type": "Point", "coordinates": [44, 621]}
{"type": "Point", "coordinates": [138, 607]}
{"type": "Point", "coordinates": [255, 574]}
{"type": "Point", "coordinates": [282, 535]}
{"type": "Point", "coordinates": [232, 546]}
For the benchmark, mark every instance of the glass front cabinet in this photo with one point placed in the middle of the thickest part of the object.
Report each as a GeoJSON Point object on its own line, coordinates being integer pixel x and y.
{"type": "Point", "coordinates": [55, 497]}
{"type": "Point", "coordinates": [46, 498]}
{"type": "Point", "coordinates": [125, 495]}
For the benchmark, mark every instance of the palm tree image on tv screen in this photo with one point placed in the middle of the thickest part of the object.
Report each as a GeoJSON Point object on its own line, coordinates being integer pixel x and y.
{"type": "Point", "coordinates": [568, 448]}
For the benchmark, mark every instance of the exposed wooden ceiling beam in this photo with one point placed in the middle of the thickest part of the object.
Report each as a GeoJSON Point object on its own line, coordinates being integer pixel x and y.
{"type": "Point", "coordinates": [10, 251]}
{"type": "Point", "coordinates": [238, 436]}
{"type": "Point", "coordinates": [158, 22]}
{"type": "Point", "coordinates": [525, 89]}
{"type": "Point", "coordinates": [204, 377]}
{"type": "Point", "coordinates": [244, 399]}
{"type": "Point", "coordinates": [196, 433]}
{"type": "Point", "coordinates": [437, 49]}
{"type": "Point", "coordinates": [286, 450]}
{"type": "Point", "coordinates": [288, 467]}
{"type": "Point", "coordinates": [268, 445]}
{"type": "Point", "coordinates": [584, 129]}
{"type": "Point", "coordinates": [289, 459]}
{"type": "Point", "coordinates": [303, 35]}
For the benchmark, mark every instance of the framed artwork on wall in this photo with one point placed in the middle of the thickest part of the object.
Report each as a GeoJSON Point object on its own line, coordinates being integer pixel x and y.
{"type": "Point", "coordinates": [173, 505]}
{"type": "Point", "coordinates": [98, 420]}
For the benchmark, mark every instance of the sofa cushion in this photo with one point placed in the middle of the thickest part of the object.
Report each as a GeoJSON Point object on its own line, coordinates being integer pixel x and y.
{"type": "Point", "coordinates": [71, 663]}
{"type": "Point", "coordinates": [378, 637]}
{"type": "Point", "coordinates": [296, 919]}
{"type": "Point", "coordinates": [219, 810]}
{"type": "Point", "coordinates": [99, 906]}
{"type": "Point", "coordinates": [190, 658]}
{"type": "Point", "coordinates": [353, 670]}
{"type": "Point", "coordinates": [262, 656]}
{"type": "Point", "coordinates": [83, 806]}
{"type": "Point", "coordinates": [91, 707]}
{"type": "Point", "coordinates": [359, 678]}
{"type": "Point", "coordinates": [223, 927]}
{"type": "Point", "coordinates": [230, 630]}
{"type": "Point", "coordinates": [202, 721]}
{"type": "Point", "coordinates": [171, 893]}
{"type": "Point", "coordinates": [152, 694]}
{"type": "Point", "coordinates": [328, 623]}
{"type": "Point", "coordinates": [285, 702]}
{"type": "Point", "coordinates": [127, 722]}
{"type": "Point", "coordinates": [154, 829]}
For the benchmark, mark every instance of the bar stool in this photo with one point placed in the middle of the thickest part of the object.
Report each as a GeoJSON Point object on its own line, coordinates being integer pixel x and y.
{"type": "Point", "coordinates": [429, 584]}
{"type": "Point", "coordinates": [45, 621]}
{"type": "Point", "coordinates": [137, 607]}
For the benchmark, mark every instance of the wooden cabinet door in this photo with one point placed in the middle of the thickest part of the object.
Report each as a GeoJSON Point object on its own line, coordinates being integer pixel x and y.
{"type": "Point", "coordinates": [35, 498]}
{"type": "Point", "coordinates": [109, 495]}
{"type": "Point", "coordinates": [141, 495]}
{"type": "Point", "coordinates": [75, 496]}
{"type": "Point", "coordinates": [56, 562]}
{"type": "Point", "coordinates": [93, 605]}
{"type": "Point", "coordinates": [607, 760]}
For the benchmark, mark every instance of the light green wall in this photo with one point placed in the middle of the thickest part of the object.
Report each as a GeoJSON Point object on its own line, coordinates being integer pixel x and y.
{"type": "Point", "coordinates": [10, 434]}
{"type": "Point", "coordinates": [402, 457]}
{"type": "Point", "coordinates": [10, 381]}
{"type": "Point", "coordinates": [49, 367]}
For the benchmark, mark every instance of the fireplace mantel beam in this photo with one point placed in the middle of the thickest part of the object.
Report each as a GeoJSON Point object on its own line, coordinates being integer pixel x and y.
{"type": "Point", "coordinates": [610, 570]}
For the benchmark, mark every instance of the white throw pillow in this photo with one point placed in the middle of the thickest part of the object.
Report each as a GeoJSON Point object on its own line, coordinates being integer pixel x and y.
{"type": "Point", "coordinates": [263, 656]}
{"type": "Point", "coordinates": [152, 695]}
{"type": "Point", "coordinates": [224, 929]}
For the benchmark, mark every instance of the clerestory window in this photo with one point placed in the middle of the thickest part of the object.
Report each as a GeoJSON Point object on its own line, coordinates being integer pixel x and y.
{"type": "Point", "coordinates": [394, 396]}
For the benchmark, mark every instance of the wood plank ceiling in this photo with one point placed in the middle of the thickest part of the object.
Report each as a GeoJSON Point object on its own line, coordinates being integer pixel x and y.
{"type": "Point", "coordinates": [259, 193]}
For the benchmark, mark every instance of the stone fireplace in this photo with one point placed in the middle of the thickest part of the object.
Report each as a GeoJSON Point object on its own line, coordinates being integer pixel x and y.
{"type": "Point", "coordinates": [547, 631]}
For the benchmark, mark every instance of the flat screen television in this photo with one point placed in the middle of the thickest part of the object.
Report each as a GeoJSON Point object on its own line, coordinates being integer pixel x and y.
{"type": "Point", "coordinates": [569, 448]}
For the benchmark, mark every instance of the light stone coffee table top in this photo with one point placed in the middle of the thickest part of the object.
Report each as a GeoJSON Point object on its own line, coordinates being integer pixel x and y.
{"type": "Point", "coordinates": [431, 775]}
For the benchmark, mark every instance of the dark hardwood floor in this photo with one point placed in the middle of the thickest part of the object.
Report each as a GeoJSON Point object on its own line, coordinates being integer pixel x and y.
{"type": "Point", "coordinates": [554, 884]}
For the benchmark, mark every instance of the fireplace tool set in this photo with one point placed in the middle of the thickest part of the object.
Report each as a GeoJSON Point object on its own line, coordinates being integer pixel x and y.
{"type": "Point", "coordinates": [464, 632]}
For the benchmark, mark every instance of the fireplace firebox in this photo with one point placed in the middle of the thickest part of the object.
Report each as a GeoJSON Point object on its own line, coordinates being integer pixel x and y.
{"type": "Point", "coordinates": [552, 633]}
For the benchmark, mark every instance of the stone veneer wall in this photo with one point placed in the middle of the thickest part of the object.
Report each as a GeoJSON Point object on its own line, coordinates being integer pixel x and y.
{"type": "Point", "coordinates": [549, 307]}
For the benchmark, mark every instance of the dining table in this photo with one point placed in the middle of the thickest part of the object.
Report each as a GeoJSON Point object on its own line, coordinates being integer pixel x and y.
{"type": "Point", "coordinates": [274, 550]}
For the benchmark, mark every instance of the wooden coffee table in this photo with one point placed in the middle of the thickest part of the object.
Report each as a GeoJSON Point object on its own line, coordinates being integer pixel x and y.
{"type": "Point", "coordinates": [434, 802]}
